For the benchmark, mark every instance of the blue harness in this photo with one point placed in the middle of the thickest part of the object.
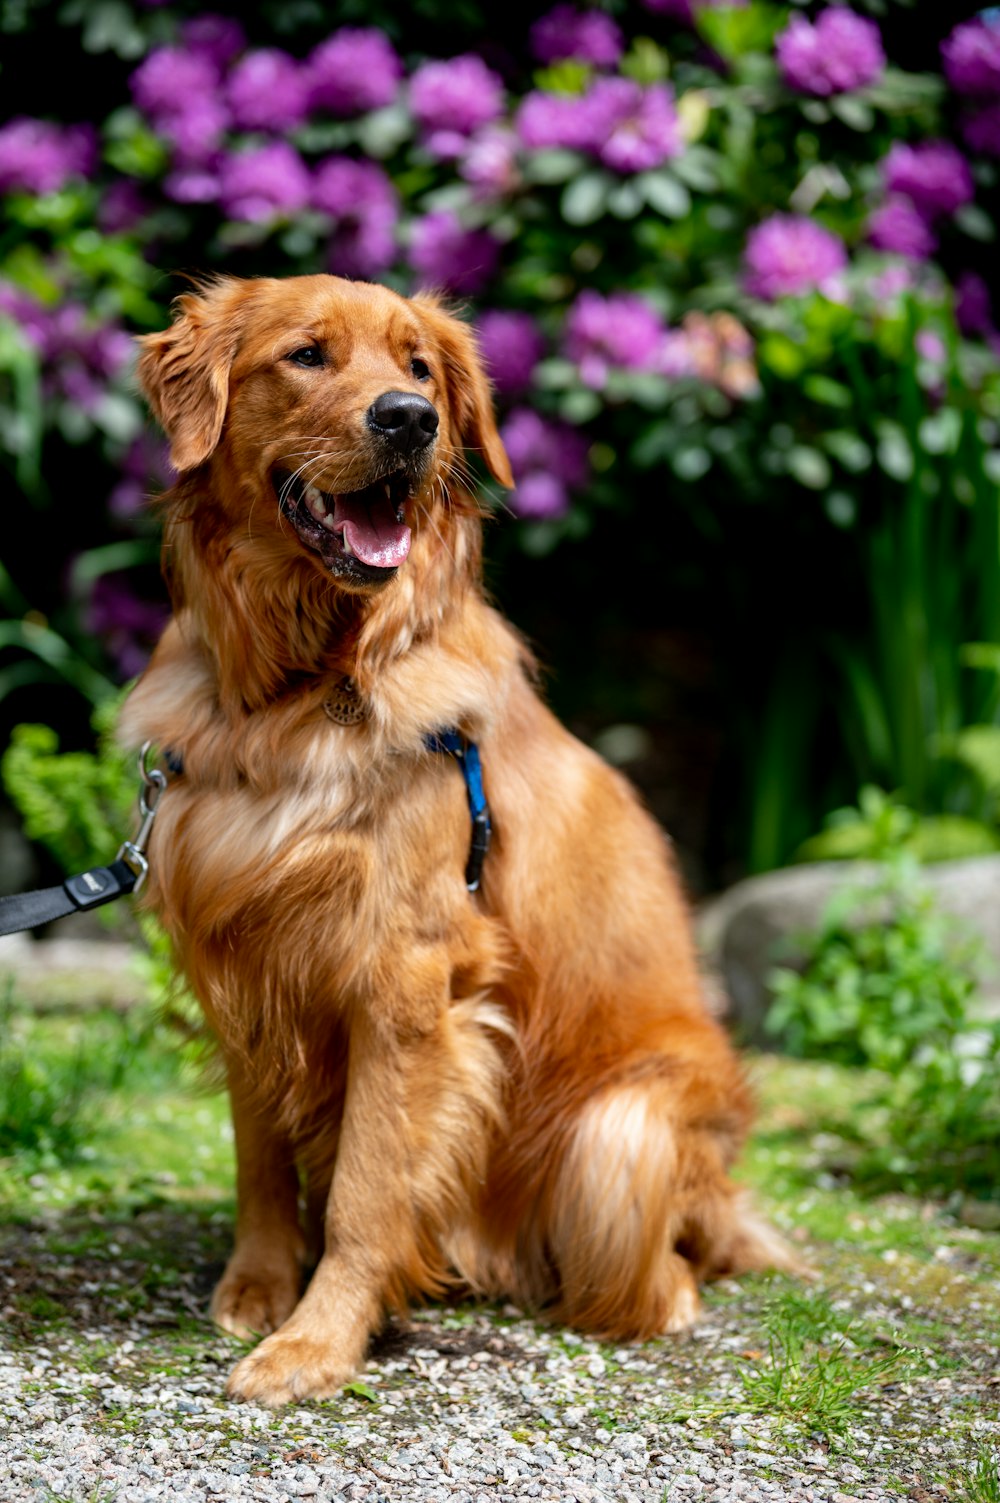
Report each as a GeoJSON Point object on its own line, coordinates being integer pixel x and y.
{"type": "Point", "coordinates": [466, 754]}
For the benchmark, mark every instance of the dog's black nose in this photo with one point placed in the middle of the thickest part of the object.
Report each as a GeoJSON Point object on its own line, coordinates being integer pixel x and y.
{"type": "Point", "coordinates": [409, 422]}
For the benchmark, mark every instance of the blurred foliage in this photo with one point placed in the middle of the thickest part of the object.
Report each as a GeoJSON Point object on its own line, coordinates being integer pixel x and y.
{"type": "Point", "coordinates": [888, 982]}
{"type": "Point", "coordinates": [805, 477]}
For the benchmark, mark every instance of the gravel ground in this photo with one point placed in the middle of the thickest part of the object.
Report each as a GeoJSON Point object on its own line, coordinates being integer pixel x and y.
{"type": "Point", "coordinates": [111, 1388]}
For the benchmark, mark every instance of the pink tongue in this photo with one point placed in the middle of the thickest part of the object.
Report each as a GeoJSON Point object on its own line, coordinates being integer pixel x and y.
{"type": "Point", "coordinates": [372, 530]}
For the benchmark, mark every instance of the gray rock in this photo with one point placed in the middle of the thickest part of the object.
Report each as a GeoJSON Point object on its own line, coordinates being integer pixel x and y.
{"type": "Point", "coordinates": [751, 928]}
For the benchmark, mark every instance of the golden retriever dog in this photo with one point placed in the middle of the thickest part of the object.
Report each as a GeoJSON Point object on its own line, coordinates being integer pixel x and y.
{"type": "Point", "coordinates": [515, 1089]}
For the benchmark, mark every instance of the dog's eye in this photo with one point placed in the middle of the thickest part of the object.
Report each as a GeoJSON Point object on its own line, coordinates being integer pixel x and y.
{"type": "Point", "coordinates": [420, 369]}
{"type": "Point", "coordinates": [309, 355]}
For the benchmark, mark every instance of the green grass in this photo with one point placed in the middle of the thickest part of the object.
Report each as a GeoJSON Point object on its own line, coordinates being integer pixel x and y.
{"type": "Point", "coordinates": [128, 1218]}
{"type": "Point", "coordinates": [983, 1485]}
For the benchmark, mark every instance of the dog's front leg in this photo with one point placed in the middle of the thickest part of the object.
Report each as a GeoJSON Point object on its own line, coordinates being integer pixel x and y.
{"type": "Point", "coordinates": [419, 1107]}
{"type": "Point", "coordinates": [263, 1277]}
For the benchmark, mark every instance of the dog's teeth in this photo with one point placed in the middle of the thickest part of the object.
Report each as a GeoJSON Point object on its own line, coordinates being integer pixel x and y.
{"type": "Point", "coordinates": [347, 545]}
{"type": "Point", "coordinates": [315, 502]}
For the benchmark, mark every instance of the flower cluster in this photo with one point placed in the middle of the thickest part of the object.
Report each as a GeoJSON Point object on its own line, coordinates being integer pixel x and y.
{"type": "Point", "coordinates": [628, 127]}
{"type": "Point", "coordinates": [971, 58]}
{"type": "Point", "coordinates": [624, 332]}
{"type": "Point", "coordinates": [200, 94]}
{"type": "Point", "coordinates": [37, 157]}
{"type": "Point", "coordinates": [77, 355]}
{"type": "Point", "coordinates": [549, 461]}
{"type": "Point", "coordinates": [789, 254]}
{"type": "Point", "coordinates": [511, 345]}
{"type": "Point", "coordinates": [838, 52]}
{"type": "Point", "coordinates": [924, 184]}
{"type": "Point", "coordinates": [588, 36]}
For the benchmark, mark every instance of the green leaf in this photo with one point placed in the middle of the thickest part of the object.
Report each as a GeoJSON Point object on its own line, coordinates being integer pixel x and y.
{"type": "Point", "coordinates": [552, 166]}
{"type": "Point", "coordinates": [664, 193]}
{"type": "Point", "coordinates": [384, 131]}
{"type": "Point", "coordinates": [645, 61]}
{"type": "Point", "coordinates": [782, 355]}
{"type": "Point", "coordinates": [976, 223]}
{"type": "Point", "coordinates": [848, 449]}
{"type": "Point", "coordinates": [700, 167]}
{"type": "Point", "coordinates": [978, 747]}
{"type": "Point", "coordinates": [580, 405]}
{"type": "Point", "coordinates": [625, 201]}
{"type": "Point", "coordinates": [586, 199]}
{"type": "Point", "coordinates": [940, 433]}
{"type": "Point", "coordinates": [359, 1390]}
{"type": "Point", "coordinates": [853, 111]}
{"type": "Point", "coordinates": [894, 452]}
{"type": "Point", "coordinates": [809, 466]}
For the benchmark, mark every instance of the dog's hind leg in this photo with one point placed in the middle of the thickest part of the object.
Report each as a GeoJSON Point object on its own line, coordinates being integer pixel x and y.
{"type": "Point", "coordinates": [641, 1210]}
{"type": "Point", "coordinates": [261, 1284]}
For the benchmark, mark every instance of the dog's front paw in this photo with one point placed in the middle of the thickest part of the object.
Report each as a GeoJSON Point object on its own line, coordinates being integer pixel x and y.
{"type": "Point", "coordinates": [248, 1303]}
{"type": "Point", "coordinates": [287, 1367]}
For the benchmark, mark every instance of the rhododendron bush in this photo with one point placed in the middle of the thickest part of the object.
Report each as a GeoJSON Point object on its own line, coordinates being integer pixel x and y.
{"type": "Point", "coordinates": [729, 269]}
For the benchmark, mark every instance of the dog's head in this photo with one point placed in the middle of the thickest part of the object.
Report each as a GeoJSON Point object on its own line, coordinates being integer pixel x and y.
{"type": "Point", "coordinates": [343, 404]}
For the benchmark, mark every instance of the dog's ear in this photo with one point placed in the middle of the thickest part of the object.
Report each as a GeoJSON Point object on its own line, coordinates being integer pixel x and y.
{"type": "Point", "coordinates": [184, 370]}
{"type": "Point", "coordinates": [468, 389]}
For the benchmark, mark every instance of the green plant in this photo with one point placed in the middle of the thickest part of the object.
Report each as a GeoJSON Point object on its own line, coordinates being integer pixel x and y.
{"type": "Point", "coordinates": [52, 1086]}
{"type": "Point", "coordinates": [886, 976]}
{"type": "Point", "coordinates": [814, 1369]}
{"type": "Point", "coordinates": [887, 982]}
{"type": "Point", "coordinates": [983, 1482]}
{"type": "Point", "coordinates": [76, 804]}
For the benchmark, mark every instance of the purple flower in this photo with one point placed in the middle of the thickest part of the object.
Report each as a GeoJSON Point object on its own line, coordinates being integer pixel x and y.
{"type": "Point", "coordinates": [196, 131]}
{"type": "Point", "coordinates": [448, 256]}
{"type": "Point", "coordinates": [547, 459]}
{"type": "Point", "coordinates": [621, 330]}
{"type": "Point", "coordinates": [38, 157]}
{"type": "Point", "coordinates": [971, 56]}
{"type": "Point", "coordinates": [930, 346]}
{"type": "Point", "coordinates": [489, 162]}
{"type": "Point", "coordinates": [973, 309]}
{"type": "Point", "coordinates": [789, 254]}
{"type": "Point", "coordinates": [145, 470]}
{"type": "Point", "coordinates": [192, 185]}
{"type": "Point", "coordinates": [898, 225]}
{"type": "Point", "coordinates": [456, 96]}
{"type": "Point", "coordinates": [361, 199]}
{"type": "Point", "coordinates": [353, 71]}
{"type": "Point", "coordinates": [122, 207]}
{"type": "Point", "coordinates": [982, 130]}
{"type": "Point", "coordinates": [170, 78]}
{"type": "Point", "coordinates": [590, 36]}
{"type": "Point", "coordinates": [627, 127]}
{"type": "Point", "coordinates": [265, 183]}
{"type": "Point", "coordinates": [511, 346]}
{"type": "Point", "coordinates": [634, 128]}
{"type": "Point", "coordinates": [130, 626]}
{"type": "Point", "coordinates": [890, 282]}
{"type": "Point", "coordinates": [267, 90]}
{"type": "Point", "coordinates": [933, 174]}
{"type": "Point", "coordinates": [838, 52]}
{"type": "Point", "coordinates": [78, 356]}
{"type": "Point", "coordinates": [559, 120]}
{"type": "Point", "coordinates": [219, 38]}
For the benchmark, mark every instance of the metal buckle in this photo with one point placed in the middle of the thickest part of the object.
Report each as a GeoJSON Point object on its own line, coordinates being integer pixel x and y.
{"type": "Point", "coordinates": [133, 852]}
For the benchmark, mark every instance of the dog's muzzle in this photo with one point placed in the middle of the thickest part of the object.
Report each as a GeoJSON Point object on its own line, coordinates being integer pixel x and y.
{"type": "Point", "coordinates": [403, 419]}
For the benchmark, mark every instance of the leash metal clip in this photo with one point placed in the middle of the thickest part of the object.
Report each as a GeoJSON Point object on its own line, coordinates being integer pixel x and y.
{"type": "Point", "coordinates": [133, 852]}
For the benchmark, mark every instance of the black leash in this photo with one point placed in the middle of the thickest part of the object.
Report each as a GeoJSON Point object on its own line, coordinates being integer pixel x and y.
{"type": "Point", "coordinates": [98, 885]}
{"type": "Point", "coordinates": [103, 884]}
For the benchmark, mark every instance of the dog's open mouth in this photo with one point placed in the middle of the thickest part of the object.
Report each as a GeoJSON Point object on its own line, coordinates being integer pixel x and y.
{"type": "Point", "coordinates": [358, 532]}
